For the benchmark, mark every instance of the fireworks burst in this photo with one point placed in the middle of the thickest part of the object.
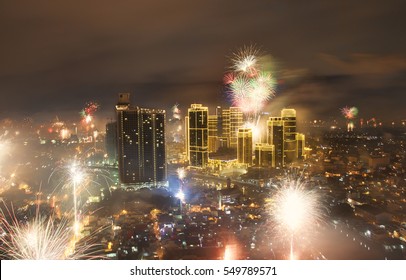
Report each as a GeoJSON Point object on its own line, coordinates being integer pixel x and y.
{"type": "Point", "coordinates": [176, 112]}
{"type": "Point", "coordinates": [90, 108]}
{"type": "Point", "coordinates": [41, 239]}
{"type": "Point", "coordinates": [76, 179]}
{"type": "Point", "coordinates": [349, 113]}
{"type": "Point", "coordinates": [249, 87]}
{"type": "Point", "coordinates": [295, 210]}
{"type": "Point", "coordinates": [88, 112]}
{"type": "Point", "coordinates": [245, 61]}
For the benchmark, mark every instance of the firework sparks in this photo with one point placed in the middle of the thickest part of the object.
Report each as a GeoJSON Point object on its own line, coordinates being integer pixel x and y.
{"type": "Point", "coordinates": [349, 113]}
{"type": "Point", "coordinates": [228, 78]}
{"type": "Point", "coordinates": [90, 108]}
{"type": "Point", "coordinates": [181, 173]}
{"type": "Point", "coordinates": [88, 112]}
{"type": "Point", "coordinates": [42, 238]}
{"type": "Point", "coordinates": [39, 239]}
{"type": "Point", "coordinates": [248, 86]}
{"type": "Point", "coordinates": [295, 209]}
{"type": "Point", "coordinates": [75, 178]}
{"type": "Point", "coordinates": [246, 61]}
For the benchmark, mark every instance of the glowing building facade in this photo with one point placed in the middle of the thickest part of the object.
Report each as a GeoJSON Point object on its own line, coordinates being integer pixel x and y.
{"type": "Point", "coordinates": [244, 146]}
{"type": "Point", "coordinates": [197, 135]}
{"type": "Point", "coordinates": [289, 145]}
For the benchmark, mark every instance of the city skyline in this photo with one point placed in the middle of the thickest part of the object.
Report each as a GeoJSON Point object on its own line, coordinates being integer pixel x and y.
{"type": "Point", "coordinates": [55, 59]}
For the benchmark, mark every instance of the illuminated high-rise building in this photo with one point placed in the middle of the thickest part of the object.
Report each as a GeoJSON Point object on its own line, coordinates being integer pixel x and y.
{"type": "Point", "coordinates": [289, 135]}
{"type": "Point", "coordinates": [288, 144]}
{"type": "Point", "coordinates": [187, 138]}
{"type": "Point", "coordinates": [140, 143]}
{"type": "Point", "coordinates": [236, 122]}
{"type": "Point", "coordinates": [223, 127]}
{"type": "Point", "coordinates": [213, 139]}
{"type": "Point", "coordinates": [300, 146]}
{"type": "Point", "coordinates": [244, 146]}
{"type": "Point", "coordinates": [198, 135]}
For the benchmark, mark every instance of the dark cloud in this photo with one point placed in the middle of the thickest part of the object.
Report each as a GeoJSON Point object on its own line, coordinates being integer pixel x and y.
{"type": "Point", "coordinates": [56, 55]}
{"type": "Point", "coordinates": [368, 64]}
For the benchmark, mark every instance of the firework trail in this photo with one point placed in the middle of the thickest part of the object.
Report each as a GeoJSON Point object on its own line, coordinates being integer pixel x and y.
{"type": "Point", "coordinates": [77, 179]}
{"type": "Point", "coordinates": [295, 210]}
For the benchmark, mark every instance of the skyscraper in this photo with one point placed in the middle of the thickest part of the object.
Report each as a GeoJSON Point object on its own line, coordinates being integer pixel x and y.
{"type": "Point", "coordinates": [300, 147]}
{"type": "Point", "coordinates": [275, 138]}
{"type": "Point", "coordinates": [213, 139]}
{"type": "Point", "coordinates": [141, 143]}
{"type": "Point", "coordinates": [288, 144]}
{"type": "Point", "coordinates": [236, 122]}
{"type": "Point", "coordinates": [244, 146]}
{"type": "Point", "coordinates": [289, 135]}
{"type": "Point", "coordinates": [223, 127]}
{"type": "Point", "coordinates": [198, 135]}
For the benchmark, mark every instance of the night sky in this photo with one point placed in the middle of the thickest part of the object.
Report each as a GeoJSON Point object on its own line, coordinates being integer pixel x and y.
{"type": "Point", "coordinates": [57, 55]}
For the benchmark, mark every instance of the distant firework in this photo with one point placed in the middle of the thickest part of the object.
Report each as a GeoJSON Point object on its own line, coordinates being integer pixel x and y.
{"type": "Point", "coordinates": [296, 211]}
{"type": "Point", "coordinates": [88, 111]}
{"type": "Point", "coordinates": [176, 112]}
{"type": "Point", "coordinates": [91, 108]}
{"type": "Point", "coordinates": [349, 113]}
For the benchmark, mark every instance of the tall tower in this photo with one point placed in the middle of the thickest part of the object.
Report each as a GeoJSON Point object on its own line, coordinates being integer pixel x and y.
{"type": "Point", "coordinates": [289, 135]}
{"type": "Point", "coordinates": [236, 122]}
{"type": "Point", "coordinates": [223, 127]}
{"type": "Point", "coordinates": [198, 135]}
{"type": "Point", "coordinates": [244, 146]}
{"type": "Point", "coordinates": [140, 143]}
{"type": "Point", "coordinates": [275, 138]}
{"type": "Point", "coordinates": [300, 147]}
{"type": "Point", "coordinates": [213, 139]}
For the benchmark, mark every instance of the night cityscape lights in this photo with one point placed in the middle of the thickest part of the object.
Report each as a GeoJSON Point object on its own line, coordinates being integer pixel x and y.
{"type": "Point", "coordinates": [203, 131]}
